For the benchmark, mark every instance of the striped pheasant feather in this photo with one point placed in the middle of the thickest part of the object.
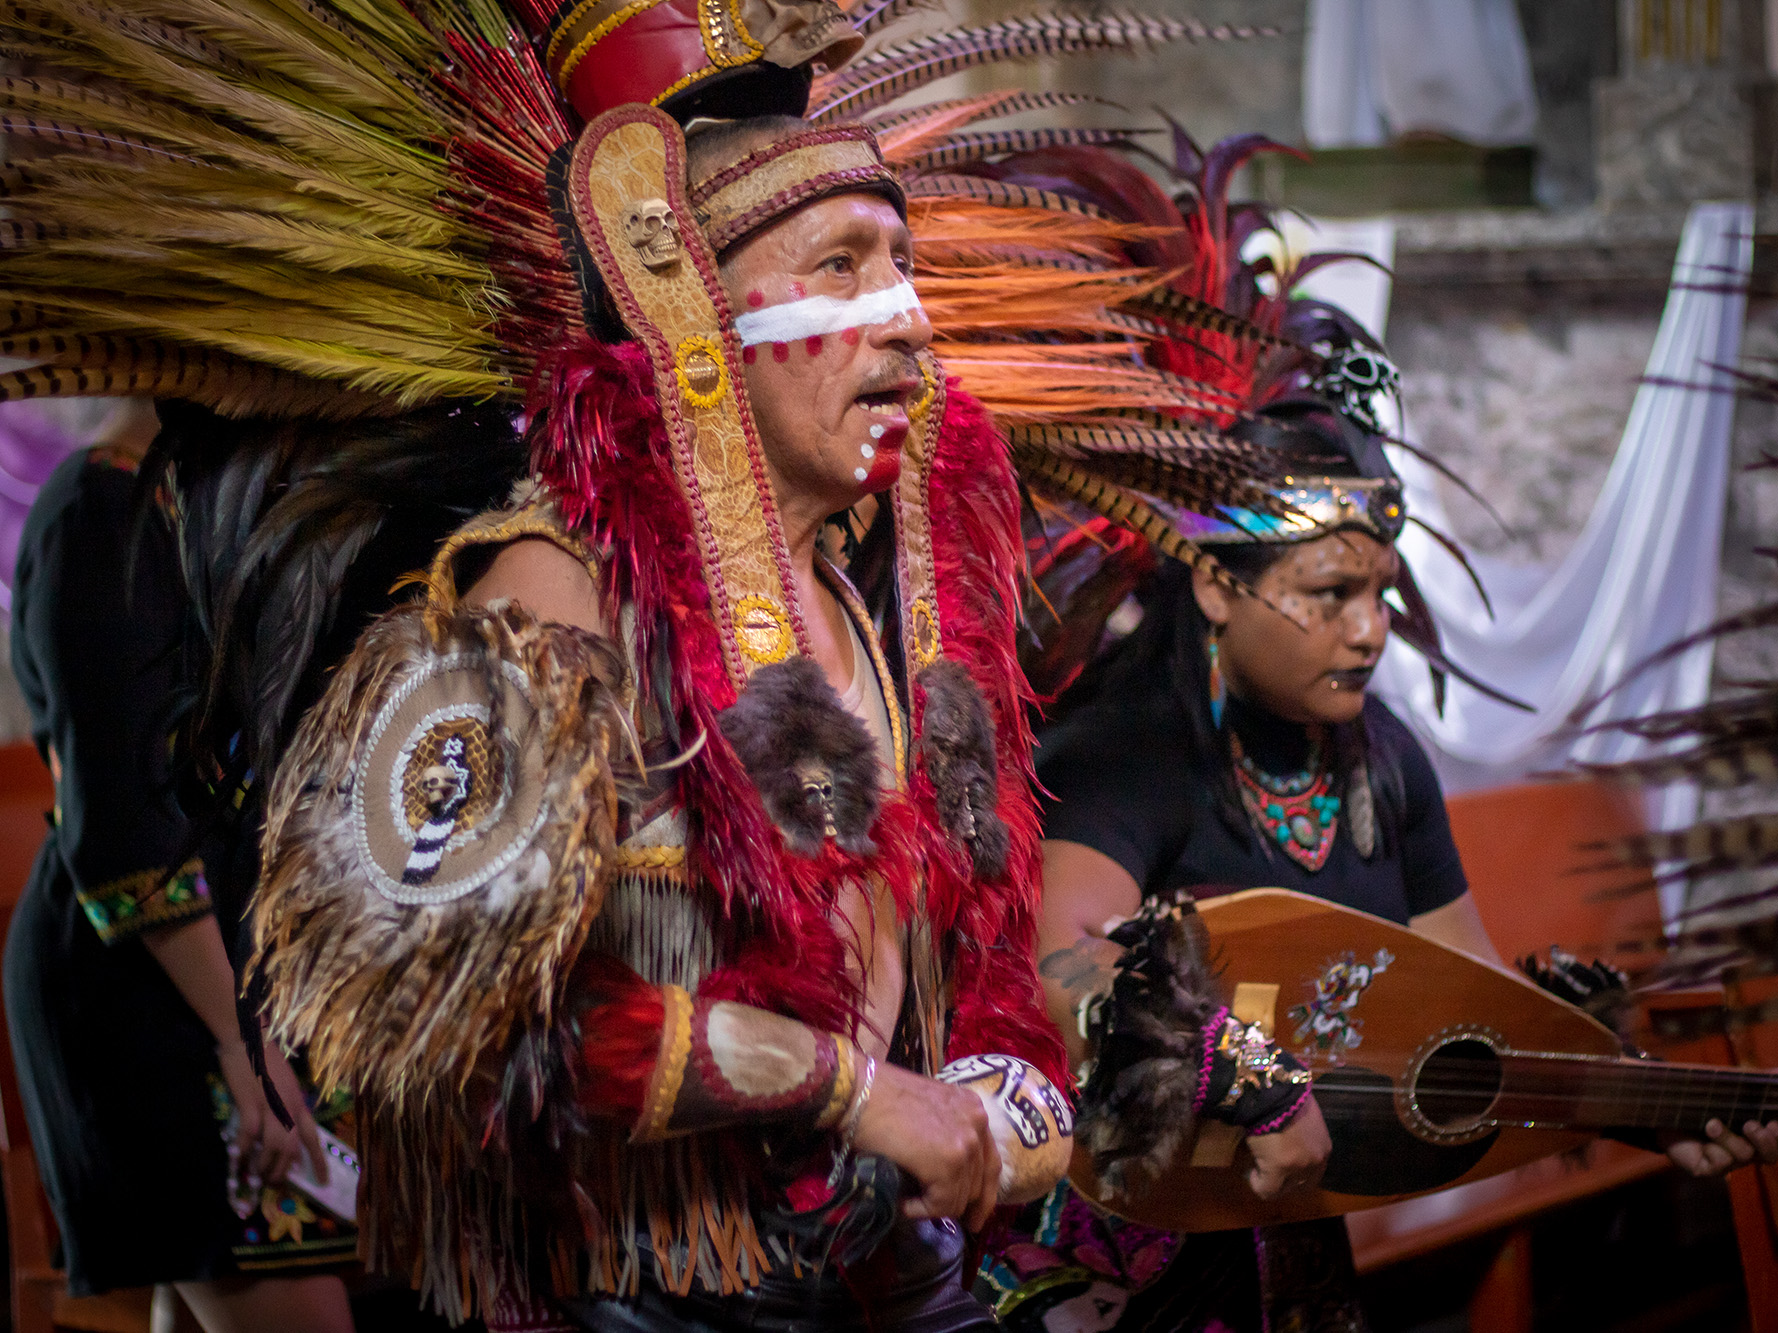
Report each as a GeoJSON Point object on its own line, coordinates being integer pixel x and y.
{"type": "Point", "coordinates": [961, 149]}
{"type": "Point", "coordinates": [997, 194]}
{"type": "Point", "coordinates": [983, 106]}
{"type": "Point", "coordinates": [893, 71]}
{"type": "Point", "coordinates": [336, 205]}
{"type": "Point", "coordinates": [1066, 480]}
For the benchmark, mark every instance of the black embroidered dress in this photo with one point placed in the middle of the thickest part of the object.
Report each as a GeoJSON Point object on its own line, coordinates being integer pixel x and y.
{"type": "Point", "coordinates": [122, 1092]}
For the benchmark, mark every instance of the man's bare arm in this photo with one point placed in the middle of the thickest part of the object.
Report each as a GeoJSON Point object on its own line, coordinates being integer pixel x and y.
{"type": "Point", "coordinates": [544, 579]}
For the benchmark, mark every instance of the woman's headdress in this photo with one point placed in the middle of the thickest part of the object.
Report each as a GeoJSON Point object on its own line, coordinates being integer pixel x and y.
{"type": "Point", "coordinates": [1281, 397]}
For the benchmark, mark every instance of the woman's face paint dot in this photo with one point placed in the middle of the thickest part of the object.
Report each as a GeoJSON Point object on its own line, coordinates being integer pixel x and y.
{"type": "Point", "coordinates": [750, 354]}
{"type": "Point", "coordinates": [876, 432]}
{"type": "Point", "coordinates": [756, 299]}
{"type": "Point", "coordinates": [860, 473]}
{"type": "Point", "coordinates": [814, 345]}
{"type": "Point", "coordinates": [780, 351]}
{"type": "Point", "coordinates": [798, 291]}
{"type": "Point", "coordinates": [849, 337]}
{"type": "Point", "coordinates": [869, 451]}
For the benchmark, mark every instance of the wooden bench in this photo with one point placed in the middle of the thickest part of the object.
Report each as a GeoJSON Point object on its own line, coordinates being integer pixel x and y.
{"type": "Point", "coordinates": [1521, 849]}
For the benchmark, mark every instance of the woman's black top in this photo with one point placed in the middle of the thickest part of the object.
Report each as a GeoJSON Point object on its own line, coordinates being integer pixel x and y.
{"type": "Point", "coordinates": [1125, 777]}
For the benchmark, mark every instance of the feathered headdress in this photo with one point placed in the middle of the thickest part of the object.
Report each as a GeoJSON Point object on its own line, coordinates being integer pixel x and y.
{"type": "Point", "coordinates": [338, 207]}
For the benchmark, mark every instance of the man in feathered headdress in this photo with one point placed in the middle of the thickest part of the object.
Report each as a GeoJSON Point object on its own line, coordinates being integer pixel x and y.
{"type": "Point", "coordinates": [668, 909]}
{"type": "Point", "coordinates": [711, 1000]}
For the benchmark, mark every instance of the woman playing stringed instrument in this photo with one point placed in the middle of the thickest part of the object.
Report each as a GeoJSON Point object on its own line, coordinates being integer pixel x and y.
{"type": "Point", "coordinates": [1229, 741]}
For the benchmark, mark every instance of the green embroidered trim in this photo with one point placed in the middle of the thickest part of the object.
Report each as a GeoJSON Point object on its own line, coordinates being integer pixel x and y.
{"type": "Point", "coordinates": [148, 898]}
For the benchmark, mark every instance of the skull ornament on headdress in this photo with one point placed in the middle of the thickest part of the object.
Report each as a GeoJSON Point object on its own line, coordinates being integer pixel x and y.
{"type": "Point", "coordinates": [651, 228]}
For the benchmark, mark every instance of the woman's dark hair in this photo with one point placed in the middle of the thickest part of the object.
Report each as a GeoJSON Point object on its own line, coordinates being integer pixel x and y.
{"type": "Point", "coordinates": [1170, 642]}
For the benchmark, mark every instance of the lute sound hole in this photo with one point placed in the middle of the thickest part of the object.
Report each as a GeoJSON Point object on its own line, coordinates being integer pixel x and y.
{"type": "Point", "coordinates": [1457, 1084]}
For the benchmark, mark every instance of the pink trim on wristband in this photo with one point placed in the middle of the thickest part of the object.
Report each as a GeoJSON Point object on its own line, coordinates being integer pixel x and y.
{"type": "Point", "coordinates": [1277, 1123]}
{"type": "Point", "coordinates": [1212, 1030]}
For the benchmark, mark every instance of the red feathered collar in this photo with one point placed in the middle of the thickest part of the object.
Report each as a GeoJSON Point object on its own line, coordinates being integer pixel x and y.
{"type": "Point", "coordinates": [601, 446]}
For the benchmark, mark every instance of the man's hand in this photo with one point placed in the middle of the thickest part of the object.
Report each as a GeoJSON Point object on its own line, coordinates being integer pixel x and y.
{"type": "Point", "coordinates": [1722, 1152]}
{"type": "Point", "coordinates": [1291, 1158]}
{"type": "Point", "coordinates": [938, 1135]}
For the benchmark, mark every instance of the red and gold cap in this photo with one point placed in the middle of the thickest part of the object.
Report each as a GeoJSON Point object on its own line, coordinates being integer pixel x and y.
{"type": "Point", "coordinates": [689, 57]}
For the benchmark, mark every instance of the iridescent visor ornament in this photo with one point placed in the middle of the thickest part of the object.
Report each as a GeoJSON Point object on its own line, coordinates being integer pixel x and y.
{"type": "Point", "coordinates": [1316, 507]}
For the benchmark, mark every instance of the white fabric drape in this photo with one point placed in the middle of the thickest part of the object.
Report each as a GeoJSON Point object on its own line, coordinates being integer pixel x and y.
{"type": "Point", "coordinates": [1376, 69]}
{"type": "Point", "coordinates": [1642, 574]}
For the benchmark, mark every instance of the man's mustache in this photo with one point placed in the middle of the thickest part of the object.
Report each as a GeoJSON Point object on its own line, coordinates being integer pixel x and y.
{"type": "Point", "coordinates": [896, 370]}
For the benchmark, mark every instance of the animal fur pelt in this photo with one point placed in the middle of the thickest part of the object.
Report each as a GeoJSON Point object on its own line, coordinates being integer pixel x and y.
{"type": "Point", "coordinates": [812, 761]}
{"type": "Point", "coordinates": [958, 747]}
{"type": "Point", "coordinates": [397, 1001]}
{"type": "Point", "coordinates": [1134, 1115]}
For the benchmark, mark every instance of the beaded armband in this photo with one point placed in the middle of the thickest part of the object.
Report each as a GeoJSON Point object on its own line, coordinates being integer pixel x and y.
{"type": "Point", "coordinates": [721, 1063]}
{"type": "Point", "coordinates": [1249, 1081]}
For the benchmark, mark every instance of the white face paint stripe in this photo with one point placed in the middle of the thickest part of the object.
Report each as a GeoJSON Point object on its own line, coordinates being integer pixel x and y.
{"type": "Point", "coordinates": [815, 315]}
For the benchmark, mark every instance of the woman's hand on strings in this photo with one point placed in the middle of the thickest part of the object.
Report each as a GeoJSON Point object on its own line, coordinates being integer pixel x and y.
{"type": "Point", "coordinates": [1721, 1151]}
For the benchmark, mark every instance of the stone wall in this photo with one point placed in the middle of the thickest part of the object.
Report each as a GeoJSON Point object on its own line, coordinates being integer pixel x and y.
{"type": "Point", "coordinates": [1518, 371]}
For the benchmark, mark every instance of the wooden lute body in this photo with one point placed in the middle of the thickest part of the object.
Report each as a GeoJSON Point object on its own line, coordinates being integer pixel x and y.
{"type": "Point", "coordinates": [1431, 1068]}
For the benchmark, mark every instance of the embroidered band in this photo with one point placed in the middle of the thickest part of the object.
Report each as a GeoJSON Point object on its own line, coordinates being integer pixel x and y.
{"type": "Point", "coordinates": [816, 315]}
{"type": "Point", "coordinates": [1212, 1030]}
{"type": "Point", "coordinates": [779, 178]}
{"type": "Point", "coordinates": [148, 898]}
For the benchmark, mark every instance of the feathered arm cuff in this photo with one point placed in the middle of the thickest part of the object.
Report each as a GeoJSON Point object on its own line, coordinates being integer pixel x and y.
{"type": "Point", "coordinates": [1169, 1053]}
{"type": "Point", "coordinates": [671, 1064]}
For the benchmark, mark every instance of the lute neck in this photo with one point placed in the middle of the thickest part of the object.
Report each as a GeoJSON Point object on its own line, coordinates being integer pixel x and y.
{"type": "Point", "coordinates": [1597, 1092]}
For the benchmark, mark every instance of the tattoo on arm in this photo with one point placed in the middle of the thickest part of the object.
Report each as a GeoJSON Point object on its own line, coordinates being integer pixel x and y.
{"type": "Point", "coordinates": [1082, 968]}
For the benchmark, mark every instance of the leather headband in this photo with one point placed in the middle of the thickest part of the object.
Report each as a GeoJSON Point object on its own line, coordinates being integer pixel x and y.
{"type": "Point", "coordinates": [782, 177]}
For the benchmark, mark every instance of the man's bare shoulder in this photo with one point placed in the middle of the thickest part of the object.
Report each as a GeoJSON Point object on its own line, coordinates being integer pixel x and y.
{"type": "Point", "coordinates": [547, 580]}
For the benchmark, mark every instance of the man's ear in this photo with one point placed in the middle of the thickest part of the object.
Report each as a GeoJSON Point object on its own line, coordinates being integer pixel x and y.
{"type": "Point", "coordinates": [1213, 597]}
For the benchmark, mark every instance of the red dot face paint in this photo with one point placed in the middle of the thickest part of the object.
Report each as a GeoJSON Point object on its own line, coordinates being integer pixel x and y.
{"type": "Point", "coordinates": [750, 354]}
{"type": "Point", "coordinates": [814, 346]}
{"type": "Point", "coordinates": [780, 352]}
{"type": "Point", "coordinates": [849, 337]}
{"type": "Point", "coordinates": [756, 299]}
{"type": "Point", "coordinates": [798, 291]}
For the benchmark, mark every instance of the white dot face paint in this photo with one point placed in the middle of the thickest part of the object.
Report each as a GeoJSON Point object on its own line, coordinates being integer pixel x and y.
{"type": "Point", "coordinates": [869, 451]}
{"type": "Point", "coordinates": [814, 316]}
{"type": "Point", "coordinates": [860, 473]}
{"type": "Point", "coordinates": [876, 432]}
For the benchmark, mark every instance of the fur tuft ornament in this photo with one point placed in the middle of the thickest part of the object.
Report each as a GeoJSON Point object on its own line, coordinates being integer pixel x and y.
{"type": "Point", "coordinates": [957, 743]}
{"type": "Point", "coordinates": [813, 762]}
{"type": "Point", "coordinates": [1135, 1107]}
{"type": "Point", "coordinates": [434, 846]}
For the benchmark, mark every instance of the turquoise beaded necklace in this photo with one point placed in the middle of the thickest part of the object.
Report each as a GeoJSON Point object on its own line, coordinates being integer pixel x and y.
{"type": "Point", "coordinates": [1298, 811]}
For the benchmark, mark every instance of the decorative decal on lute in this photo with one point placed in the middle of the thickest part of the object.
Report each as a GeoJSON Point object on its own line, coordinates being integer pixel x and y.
{"type": "Point", "coordinates": [1326, 1024]}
